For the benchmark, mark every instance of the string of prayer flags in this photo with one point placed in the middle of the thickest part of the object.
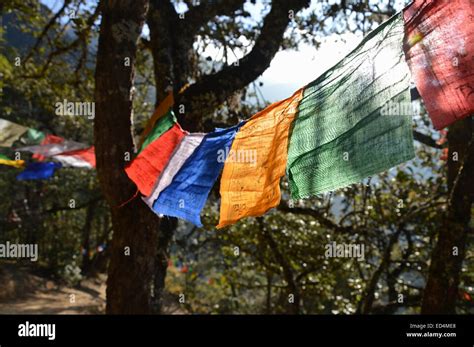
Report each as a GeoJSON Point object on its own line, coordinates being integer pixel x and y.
{"type": "Point", "coordinates": [250, 182]}
{"type": "Point", "coordinates": [183, 151]}
{"type": "Point", "coordinates": [10, 132]}
{"type": "Point", "coordinates": [82, 158]}
{"type": "Point", "coordinates": [38, 170]}
{"type": "Point", "coordinates": [186, 196]}
{"type": "Point", "coordinates": [147, 167]}
{"type": "Point", "coordinates": [349, 123]}
{"type": "Point", "coordinates": [353, 121]}
{"type": "Point", "coordinates": [439, 51]}
{"type": "Point", "coordinates": [4, 160]}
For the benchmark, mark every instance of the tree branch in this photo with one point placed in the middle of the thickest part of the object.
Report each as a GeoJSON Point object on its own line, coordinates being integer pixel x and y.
{"type": "Point", "coordinates": [45, 30]}
{"type": "Point", "coordinates": [316, 215]}
{"type": "Point", "coordinates": [214, 89]}
{"type": "Point", "coordinates": [426, 140]}
{"type": "Point", "coordinates": [199, 15]}
{"type": "Point", "coordinates": [64, 48]}
{"type": "Point", "coordinates": [368, 301]}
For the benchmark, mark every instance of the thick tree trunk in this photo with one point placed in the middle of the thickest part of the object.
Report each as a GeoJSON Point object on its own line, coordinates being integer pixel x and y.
{"type": "Point", "coordinates": [441, 289]}
{"type": "Point", "coordinates": [133, 246]}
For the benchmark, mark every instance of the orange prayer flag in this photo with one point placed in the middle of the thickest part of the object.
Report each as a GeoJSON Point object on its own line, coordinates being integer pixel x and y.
{"type": "Point", "coordinates": [250, 183]}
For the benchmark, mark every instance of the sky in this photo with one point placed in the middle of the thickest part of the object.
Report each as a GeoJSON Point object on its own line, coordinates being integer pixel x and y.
{"type": "Point", "coordinates": [289, 69]}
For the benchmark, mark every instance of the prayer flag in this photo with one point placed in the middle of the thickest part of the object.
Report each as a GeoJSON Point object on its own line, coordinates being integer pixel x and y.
{"type": "Point", "coordinates": [84, 158]}
{"type": "Point", "coordinates": [34, 136]}
{"type": "Point", "coordinates": [186, 196]}
{"type": "Point", "coordinates": [163, 108]}
{"type": "Point", "coordinates": [354, 121]}
{"type": "Point", "coordinates": [146, 168]}
{"type": "Point", "coordinates": [161, 126]}
{"type": "Point", "coordinates": [50, 149]}
{"type": "Point", "coordinates": [179, 157]}
{"type": "Point", "coordinates": [4, 160]}
{"type": "Point", "coordinates": [439, 47]}
{"type": "Point", "coordinates": [37, 171]}
{"type": "Point", "coordinates": [250, 183]}
{"type": "Point", "coordinates": [10, 132]}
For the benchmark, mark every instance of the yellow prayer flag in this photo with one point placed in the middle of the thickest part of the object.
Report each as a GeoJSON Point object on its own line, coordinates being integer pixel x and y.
{"type": "Point", "coordinates": [15, 163]}
{"type": "Point", "coordinates": [250, 183]}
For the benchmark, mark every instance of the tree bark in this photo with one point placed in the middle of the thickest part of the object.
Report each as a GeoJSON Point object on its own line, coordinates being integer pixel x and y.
{"type": "Point", "coordinates": [86, 233]}
{"type": "Point", "coordinates": [441, 290]}
{"type": "Point", "coordinates": [172, 38]}
{"type": "Point", "coordinates": [167, 229]}
{"type": "Point", "coordinates": [133, 247]}
{"type": "Point", "coordinates": [161, 21]}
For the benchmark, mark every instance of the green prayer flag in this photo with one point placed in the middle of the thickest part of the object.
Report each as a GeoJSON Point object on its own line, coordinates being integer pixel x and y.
{"type": "Point", "coordinates": [34, 136]}
{"type": "Point", "coordinates": [354, 121]}
{"type": "Point", "coordinates": [162, 125]}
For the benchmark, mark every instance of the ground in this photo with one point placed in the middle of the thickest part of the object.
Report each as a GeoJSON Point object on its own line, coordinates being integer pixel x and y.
{"type": "Point", "coordinates": [24, 292]}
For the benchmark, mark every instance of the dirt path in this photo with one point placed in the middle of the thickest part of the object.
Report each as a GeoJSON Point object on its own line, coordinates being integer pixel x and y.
{"type": "Point", "coordinates": [24, 293]}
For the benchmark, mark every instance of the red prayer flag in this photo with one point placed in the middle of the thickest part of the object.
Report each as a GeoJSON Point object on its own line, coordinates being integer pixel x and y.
{"type": "Point", "coordinates": [78, 158]}
{"type": "Point", "coordinates": [49, 139]}
{"type": "Point", "coordinates": [146, 168]}
{"type": "Point", "coordinates": [439, 48]}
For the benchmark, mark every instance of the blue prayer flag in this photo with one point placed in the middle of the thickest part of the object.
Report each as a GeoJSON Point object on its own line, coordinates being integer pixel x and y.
{"type": "Point", "coordinates": [186, 196]}
{"type": "Point", "coordinates": [38, 171]}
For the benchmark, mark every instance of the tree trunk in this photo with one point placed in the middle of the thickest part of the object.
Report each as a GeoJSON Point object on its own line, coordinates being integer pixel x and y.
{"type": "Point", "coordinates": [160, 20]}
{"type": "Point", "coordinates": [133, 246]}
{"type": "Point", "coordinates": [167, 228]}
{"type": "Point", "coordinates": [86, 233]}
{"type": "Point", "coordinates": [441, 289]}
